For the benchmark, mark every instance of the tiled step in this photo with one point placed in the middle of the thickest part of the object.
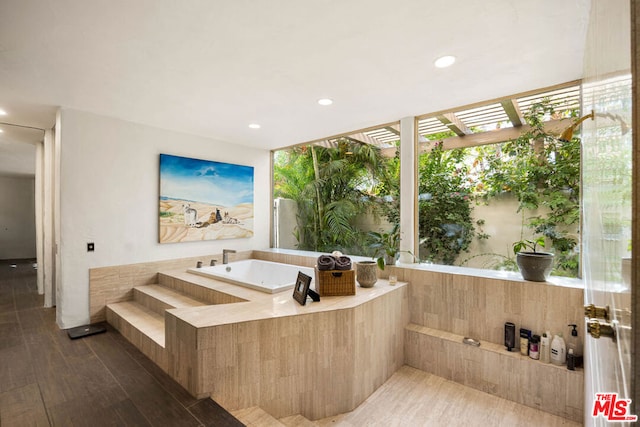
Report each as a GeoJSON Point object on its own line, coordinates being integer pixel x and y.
{"type": "Point", "coordinates": [142, 326]}
{"type": "Point", "coordinates": [187, 284]}
{"type": "Point", "coordinates": [256, 417]}
{"type": "Point", "coordinates": [297, 421]}
{"type": "Point", "coordinates": [160, 298]}
{"type": "Point", "coordinates": [139, 318]}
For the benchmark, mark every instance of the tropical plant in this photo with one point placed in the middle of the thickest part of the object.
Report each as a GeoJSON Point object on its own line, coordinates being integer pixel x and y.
{"type": "Point", "coordinates": [388, 187]}
{"type": "Point", "coordinates": [385, 244]}
{"type": "Point", "coordinates": [532, 245]}
{"type": "Point", "coordinates": [331, 187]}
{"type": "Point", "coordinates": [446, 226]}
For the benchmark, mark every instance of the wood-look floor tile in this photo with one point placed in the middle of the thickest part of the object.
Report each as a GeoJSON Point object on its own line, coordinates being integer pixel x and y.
{"type": "Point", "coordinates": [145, 392]}
{"type": "Point", "coordinates": [16, 369]}
{"type": "Point", "coordinates": [94, 413]}
{"type": "Point", "coordinates": [6, 301]}
{"type": "Point", "coordinates": [26, 301]}
{"type": "Point", "coordinates": [23, 407]}
{"type": "Point", "coordinates": [46, 379]}
{"type": "Point", "coordinates": [165, 381]}
{"type": "Point", "coordinates": [8, 338]}
{"type": "Point", "coordinates": [43, 361]}
{"type": "Point", "coordinates": [69, 348]}
{"type": "Point", "coordinates": [30, 320]}
{"type": "Point", "coordinates": [129, 414]}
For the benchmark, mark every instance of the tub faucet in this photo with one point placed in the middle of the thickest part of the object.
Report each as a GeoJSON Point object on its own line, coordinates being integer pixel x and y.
{"type": "Point", "coordinates": [225, 255]}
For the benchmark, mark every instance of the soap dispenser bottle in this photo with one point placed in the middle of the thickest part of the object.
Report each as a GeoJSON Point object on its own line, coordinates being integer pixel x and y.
{"type": "Point", "coordinates": [574, 343]}
{"type": "Point", "coordinates": [558, 350]}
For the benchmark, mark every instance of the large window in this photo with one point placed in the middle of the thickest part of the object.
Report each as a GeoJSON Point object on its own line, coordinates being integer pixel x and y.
{"type": "Point", "coordinates": [489, 175]}
{"type": "Point", "coordinates": [333, 194]}
{"type": "Point", "coordinates": [499, 173]}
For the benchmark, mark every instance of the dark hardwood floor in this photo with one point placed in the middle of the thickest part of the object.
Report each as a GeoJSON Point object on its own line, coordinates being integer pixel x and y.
{"type": "Point", "coordinates": [47, 379]}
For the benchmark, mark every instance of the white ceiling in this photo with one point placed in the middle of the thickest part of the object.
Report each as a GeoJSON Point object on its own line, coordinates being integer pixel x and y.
{"type": "Point", "coordinates": [211, 67]}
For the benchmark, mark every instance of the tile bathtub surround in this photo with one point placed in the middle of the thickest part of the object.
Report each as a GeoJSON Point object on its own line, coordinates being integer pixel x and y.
{"type": "Point", "coordinates": [319, 363]}
{"type": "Point", "coordinates": [251, 348]}
{"type": "Point", "coordinates": [302, 260]}
{"type": "Point", "coordinates": [479, 306]}
{"type": "Point", "coordinates": [448, 302]}
{"type": "Point", "coordinates": [115, 284]}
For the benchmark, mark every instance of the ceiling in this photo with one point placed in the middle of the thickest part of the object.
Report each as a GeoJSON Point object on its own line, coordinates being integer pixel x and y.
{"type": "Point", "coordinates": [212, 67]}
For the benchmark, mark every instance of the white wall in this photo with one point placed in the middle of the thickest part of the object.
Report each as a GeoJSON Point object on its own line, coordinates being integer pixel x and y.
{"type": "Point", "coordinates": [109, 187]}
{"type": "Point", "coordinates": [17, 218]}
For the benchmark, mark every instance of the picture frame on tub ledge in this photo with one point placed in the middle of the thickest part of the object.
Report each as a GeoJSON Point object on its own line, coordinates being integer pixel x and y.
{"type": "Point", "coordinates": [301, 288]}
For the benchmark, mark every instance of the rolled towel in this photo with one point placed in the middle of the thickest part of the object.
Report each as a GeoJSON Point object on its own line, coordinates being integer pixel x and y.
{"type": "Point", "coordinates": [326, 262]}
{"type": "Point", "coordinates": [343, 263]}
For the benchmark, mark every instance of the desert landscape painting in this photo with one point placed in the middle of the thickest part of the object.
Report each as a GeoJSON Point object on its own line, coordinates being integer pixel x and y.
{"type": "Point", "coordinates": [204, 200]}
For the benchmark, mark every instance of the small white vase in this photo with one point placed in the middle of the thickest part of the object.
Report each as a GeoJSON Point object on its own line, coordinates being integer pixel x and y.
{"type": "Point", "coordinates": [366, 273]}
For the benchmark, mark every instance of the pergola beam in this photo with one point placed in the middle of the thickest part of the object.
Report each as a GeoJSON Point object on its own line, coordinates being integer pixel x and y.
{"type": "Point", "coordinates": [512, 110]}
{"type": "Point", "coordinates": [362, 138]}
{"type": "Point", "coordinates": [454, 124]}
{"type": "Point", "coordinates": [486, 138]}
{"type": "Point", "coordinates": [393, 130]}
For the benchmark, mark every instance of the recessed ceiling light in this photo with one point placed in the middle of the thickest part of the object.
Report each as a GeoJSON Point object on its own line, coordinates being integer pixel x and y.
{"type": "Point", "coordinates": [445, 61]}
{"type": "Point", "coordinates": [325, 101]}
{"type": "Point", "coordinates": [1, 131]}
{"type": "Point", "coordinates": [254, 126]}
{"type": "Point", "coordinates": [2, 112]}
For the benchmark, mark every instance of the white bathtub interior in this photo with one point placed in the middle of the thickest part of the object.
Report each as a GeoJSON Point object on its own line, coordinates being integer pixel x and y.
{"type": "Point", "coordinates": [265, 276]}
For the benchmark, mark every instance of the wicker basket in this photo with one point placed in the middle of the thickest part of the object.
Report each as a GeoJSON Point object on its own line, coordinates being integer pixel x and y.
{"type": "Point", "coordinates": [335, 282]}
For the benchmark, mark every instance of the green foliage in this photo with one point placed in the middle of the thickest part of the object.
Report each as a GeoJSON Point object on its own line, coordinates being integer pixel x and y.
{"type": "Point", "coordinates": [532, 245]}
{"type": "Point", "coordinates": [165, 214]}
{"type": "Point", "coordinates": [331, 187]}
{"type": "Point", "coordinates": [494, 261]}
{"type": "Point", "coordinates": [389, 185]}
{"type": "Point", "coordinates": [385, 244]}
{"type": "Point", "coordinates": [334, 185]}
{"type": "Point", "coordinates": [446, 227]}
{"type": "Point", "coordinates": [541, 172]}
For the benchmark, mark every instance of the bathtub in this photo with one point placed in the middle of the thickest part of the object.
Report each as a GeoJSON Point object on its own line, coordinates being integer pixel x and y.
{"type": "Point", "coordinates": [265, 276]}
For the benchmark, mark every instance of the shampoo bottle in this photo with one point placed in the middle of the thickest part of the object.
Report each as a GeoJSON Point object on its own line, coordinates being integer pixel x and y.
{"type": "Point", "coordinates": [571, 360]}
{"type": "Point", "coordinates": [558, 350]}
{"type": "Point", "coordinates": [574, 343]}
{"type": "Point", "coordinates": [525, 335]}
{"type": "Point", "coordinates": [544, 347]}
{"type": "Point", "coordinates": [534, 347]}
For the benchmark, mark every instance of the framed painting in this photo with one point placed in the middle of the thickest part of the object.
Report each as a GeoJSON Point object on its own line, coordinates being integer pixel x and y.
{"type": "Point", "coordinates": [204, 200]}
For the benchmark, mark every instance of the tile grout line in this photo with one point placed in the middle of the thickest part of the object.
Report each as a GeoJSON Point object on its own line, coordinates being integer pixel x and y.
{"type": "Point", "coordinates": [28, 349]}
{"type": "Point", "coordinates": [186, 408]}
{"type": "Point", "coordinates": [124, 392]}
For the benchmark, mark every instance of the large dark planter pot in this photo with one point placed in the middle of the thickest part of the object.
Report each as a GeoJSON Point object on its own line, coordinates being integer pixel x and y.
{"type": "Point", "coordinates": [535, 266]}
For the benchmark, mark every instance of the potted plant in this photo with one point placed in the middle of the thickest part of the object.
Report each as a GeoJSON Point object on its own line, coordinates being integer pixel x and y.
{"type": "Point", "coordinates": [386, 246]}
{"type": "Point", "coordinates": [533, 265]}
